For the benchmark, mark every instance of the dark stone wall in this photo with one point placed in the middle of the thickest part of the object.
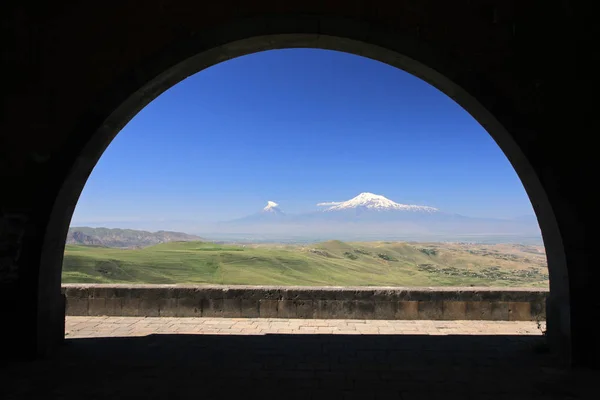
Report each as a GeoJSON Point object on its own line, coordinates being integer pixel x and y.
{"type": "Point", "coordinates": [506, 304]}
{"type": "Point", "coordinates": [75, 72]}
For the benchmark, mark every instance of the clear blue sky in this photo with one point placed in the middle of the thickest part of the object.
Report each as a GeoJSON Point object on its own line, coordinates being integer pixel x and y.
{"type": "Point", "coordinates": [298, 127]}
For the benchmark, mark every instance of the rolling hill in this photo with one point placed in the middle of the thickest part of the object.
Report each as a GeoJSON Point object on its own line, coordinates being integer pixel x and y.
{"type": "Point", "coordinates": [331, 263]}
{"type": "Point", "coordinates": [123, 238]}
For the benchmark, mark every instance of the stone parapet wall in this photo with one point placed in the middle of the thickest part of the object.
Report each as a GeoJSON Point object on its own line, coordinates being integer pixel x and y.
{"type": "Point", "coordinates": [430, 303]}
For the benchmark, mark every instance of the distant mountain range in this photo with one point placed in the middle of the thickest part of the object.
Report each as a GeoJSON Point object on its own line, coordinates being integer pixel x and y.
{"type": "Point", "coordinates": [365, 217]}
{"type": "Point", "coordinates": [124, 238]}
{"type": "Point", "coordinates": [373, 217]}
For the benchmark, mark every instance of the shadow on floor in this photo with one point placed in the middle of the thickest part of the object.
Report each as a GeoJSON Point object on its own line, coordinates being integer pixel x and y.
{"type": "Point", "coordinates": [297, 366]}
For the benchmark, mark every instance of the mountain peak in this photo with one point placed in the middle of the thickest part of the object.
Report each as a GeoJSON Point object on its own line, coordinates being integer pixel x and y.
{"type": "Point", "coordinates": [272, 207]}
{"type": "Point", "coordinates": [367, 196]}
{"type": "Point", "coordinates": [374, 202]}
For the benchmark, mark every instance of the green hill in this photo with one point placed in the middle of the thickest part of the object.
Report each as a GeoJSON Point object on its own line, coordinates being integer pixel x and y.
{"type": "Point", "coordinates": [123, 238]}
{"type": "Point", "coordinates": [331, 263]}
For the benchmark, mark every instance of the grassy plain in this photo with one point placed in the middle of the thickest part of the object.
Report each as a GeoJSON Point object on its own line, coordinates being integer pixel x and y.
{"type": "Point", "coordinates": [332, 263]}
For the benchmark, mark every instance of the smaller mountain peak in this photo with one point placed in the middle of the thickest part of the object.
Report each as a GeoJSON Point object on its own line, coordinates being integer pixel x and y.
{"type": "Point", "coordinates": [270, 205]}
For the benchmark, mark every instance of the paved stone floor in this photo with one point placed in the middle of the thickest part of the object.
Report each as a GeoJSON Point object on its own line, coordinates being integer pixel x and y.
{"type": "Point", "coordinates": [78, 327]}
{"type": "Point", "coordinates": [218, 358]}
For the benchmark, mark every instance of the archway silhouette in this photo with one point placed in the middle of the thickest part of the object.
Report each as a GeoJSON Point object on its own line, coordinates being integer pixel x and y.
{"type": "Point", "coordinates": [143, 84]}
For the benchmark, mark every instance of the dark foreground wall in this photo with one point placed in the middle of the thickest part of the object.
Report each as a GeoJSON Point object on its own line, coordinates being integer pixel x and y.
{"type": "Point", "coordinates": [512, 304]}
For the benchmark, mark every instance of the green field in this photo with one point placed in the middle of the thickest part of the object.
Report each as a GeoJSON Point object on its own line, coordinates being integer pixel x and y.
{"type": "Point", "coordinates": [331, 263]}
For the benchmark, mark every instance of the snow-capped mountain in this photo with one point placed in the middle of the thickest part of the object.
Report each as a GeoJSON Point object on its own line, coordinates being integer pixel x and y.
{"type": "Point", "coordinates": [269, 214]}
{"type": "Point", "coordinates": [272, 207]}
{"type": "Point", "coordinates": [374, 208]}
{"type": "Point", "coordinates": [374, 202]}
{"type": "Point", "coordinates": [373, 216]}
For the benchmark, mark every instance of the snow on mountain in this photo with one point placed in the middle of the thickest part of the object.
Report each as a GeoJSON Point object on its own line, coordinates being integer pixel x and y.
{"type": "Point", "coordinates": [372, 216]}
{"type": "Point", "coordinates": [269, 214]}
{"type": "Point", "coordinates": [271, 207]}
{"type": "Point", "coordinates": [374, 202]}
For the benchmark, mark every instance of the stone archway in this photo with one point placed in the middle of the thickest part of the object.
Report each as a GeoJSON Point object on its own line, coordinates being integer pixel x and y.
{"type": "Point", "coordinates": [122, 114]}
{"type": "Point", "coordinates": [123, 95]}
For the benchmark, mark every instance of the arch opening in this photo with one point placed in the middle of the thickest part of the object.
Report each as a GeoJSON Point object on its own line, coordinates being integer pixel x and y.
{"type": "Point", "coordinates": [123, 107]}
{"type": "Point", "coordinates": [304, 127]}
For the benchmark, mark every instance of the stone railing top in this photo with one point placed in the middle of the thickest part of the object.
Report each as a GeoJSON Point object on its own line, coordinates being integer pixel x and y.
{"type": "Point", "coordinates": [308, 288]}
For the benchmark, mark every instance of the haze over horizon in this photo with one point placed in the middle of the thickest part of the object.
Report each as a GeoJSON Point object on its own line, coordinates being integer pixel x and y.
{"type": "Point", "coordinates": [297, 127]}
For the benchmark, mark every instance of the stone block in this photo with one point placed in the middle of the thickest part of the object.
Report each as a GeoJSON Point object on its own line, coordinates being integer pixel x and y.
{"type": "Point", "coordinates": [249, 308]}
{"type": "Point", "coordinates": [337, 294]}
{"type": "Point", "coordinates": [101, 292]}
{"type": "Point", "coordinates": [79, 292]}
{"type": "Point", "coordinates": [385, 295]}
{"type": "Point", "coordinates": [189, 305]}
{"type": "Point", "coordinates": [321, 309]}
{"type": "Point", "coordinates": [499, 311]}
{"type": "Point", "coordinates": [363, 295]}
{"type": "Point", "coordinates": [365, 309]}
{"type": "Point", "coordinates": [286, 309]}
{"type": "Point", "coordinates": [270, 294]}
{"type": "Point", "coordinates": [77, 306]}
{"type": "Point", "coordinates": [97, 307]}
{"type": "Point", "coordinates": [305, 309]}
{"type": "Point", "coordinates": [519, 311]}
{"type": "Point", "coordinates": [454, 310]}
{"type": "Point", "coordinates": [234, 293]}
{"type": "Point", "coordinates": [253, 294]}
{"type": "Point", "coordinates": [148, 308]}
{"type": "Point", "coordinates": [130, 307]}
{"type": "Point", "coordinates": [213, 292]}
{"type": "Point", "coordinates": [330, 309]}
{"type": "Point", "coordinates": [212, 307]}
{"type": "Point", "coordinates": [300, 294]}
{"type": "Point", "coordinates": [348, 310]}
{"type": "Point", "coordinates": [154, 293]}
{"type": "Point", "coordinates": [385, 310]}
{"type": "Point", "coordinates": [189, 308]}
{"type": "Point", "coordinates": [232, 308]}
{"type": "Point", "coordinates": [188, 293]}
{"type": "Point", "coordinates": [538, 310]}
{"type": "Point", "coordinates": [124, 292]}
{"type": "Point", "coordinates": [267, 308]}
{"type": "Point", "coordinates": [113, 306]}
{"type": "Point", "coordinates": [407, 309]}
{"type": "Point", "coordinates": [431, 310]}
{"type": "Point", "coordinates": [168, 308]}
{"type": "Point", "coordinates": [478, 310]}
